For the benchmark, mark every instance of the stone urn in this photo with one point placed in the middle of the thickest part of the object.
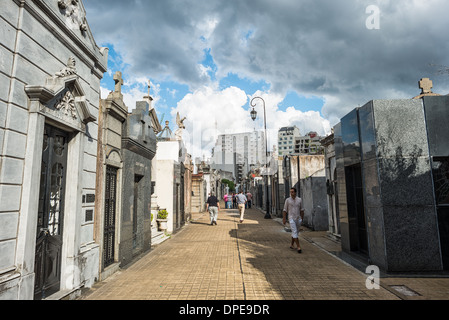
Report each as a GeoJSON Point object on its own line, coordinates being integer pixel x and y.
{"type": "Point", "coordinates": [162, 220]}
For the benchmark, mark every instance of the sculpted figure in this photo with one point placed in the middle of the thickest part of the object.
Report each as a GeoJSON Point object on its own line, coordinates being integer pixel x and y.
{"type": "Point", "coordinates": [68, 70]}
{"type": "Point", "coordinates": [180, 123]}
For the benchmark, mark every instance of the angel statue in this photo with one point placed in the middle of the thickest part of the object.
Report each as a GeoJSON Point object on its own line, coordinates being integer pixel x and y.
{"type": "Point", "coordinates": [180, 123]}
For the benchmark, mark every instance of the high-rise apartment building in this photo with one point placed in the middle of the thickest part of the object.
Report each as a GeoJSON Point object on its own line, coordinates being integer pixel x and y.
{"type": "Point", "coordinates": [309, 144]}
{"type": "Point", "coordinates": [237, 152]}
{"type": "Point", "coordinates": [286, 140]}
{"type": "Point", "coordinates": [290, 141]}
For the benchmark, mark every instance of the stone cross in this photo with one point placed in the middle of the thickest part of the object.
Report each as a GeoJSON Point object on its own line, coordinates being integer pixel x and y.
{"type": "Point", "coordinates": [426, 85]}
{"type": "Point", "coordinates": [149, 87]}
{"type": "Point", "coordinates": [118, 81]}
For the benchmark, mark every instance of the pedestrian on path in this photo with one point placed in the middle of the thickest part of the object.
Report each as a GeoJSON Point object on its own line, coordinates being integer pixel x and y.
{"type": "Point", "coordinates": [293, 207]}
{"type": "Point", "coordinates": [229, 201]}
{"type": "Point", "coordinates": [225, 199]}
{"type": "Point", "coordinates": [249, 196]}
{"type": "Point", "coordinates": [241, 201]}
{"type": "Point", "coordinates": [213, 206]}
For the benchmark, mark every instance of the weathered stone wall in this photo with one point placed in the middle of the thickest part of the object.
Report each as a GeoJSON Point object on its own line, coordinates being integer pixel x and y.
{"type": "Point", "coordinates": [37, 38]}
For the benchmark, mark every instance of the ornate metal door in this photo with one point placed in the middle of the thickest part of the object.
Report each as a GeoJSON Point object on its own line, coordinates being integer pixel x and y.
{"type": "Point", "coordinates": [47, 264]}
{"type": "Point", "coordinates": [109, 219]}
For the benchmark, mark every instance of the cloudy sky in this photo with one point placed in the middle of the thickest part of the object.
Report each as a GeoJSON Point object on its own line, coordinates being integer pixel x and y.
{"type": "Point", "coordinates": [312, 61]}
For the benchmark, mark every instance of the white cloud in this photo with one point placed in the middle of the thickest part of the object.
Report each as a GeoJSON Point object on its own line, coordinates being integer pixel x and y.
{"type": "Point", "coordinates": [104, 93]}
{"type": "Point", "coordinates": [211, 112]}
{"type": "Point", "coordinates": [130, 96]}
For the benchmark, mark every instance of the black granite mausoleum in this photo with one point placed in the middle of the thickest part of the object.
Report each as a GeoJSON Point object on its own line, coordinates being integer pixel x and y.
{"type": "Point", "coordinates": [138, 150]}
{"type": "Point", "coordinates": [393, 183]}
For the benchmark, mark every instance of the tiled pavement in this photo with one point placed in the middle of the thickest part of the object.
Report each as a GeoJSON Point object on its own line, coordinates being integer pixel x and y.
{"type": "Point", "coordinates": [249, 261]}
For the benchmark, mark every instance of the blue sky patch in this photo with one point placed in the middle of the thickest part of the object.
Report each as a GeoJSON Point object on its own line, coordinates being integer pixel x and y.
{"type": "Point", "coordinates": [209, 63]}
{"type": "Point", "coordinates": [247, 85]}
{"type": "Point", "coordinates": [304, 104]}
{"type": "Point", "coordinates": [115, 63]}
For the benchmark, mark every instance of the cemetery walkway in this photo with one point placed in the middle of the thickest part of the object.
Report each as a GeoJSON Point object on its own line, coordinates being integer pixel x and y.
{"type": "Point", "coordinates": [249, 261]}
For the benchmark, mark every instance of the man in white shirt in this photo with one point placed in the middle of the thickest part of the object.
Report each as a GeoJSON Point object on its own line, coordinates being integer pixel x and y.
{"type": "Point", "coordinates": [294, 208]}
{"type": "Point", "coordinates": [241, 200]}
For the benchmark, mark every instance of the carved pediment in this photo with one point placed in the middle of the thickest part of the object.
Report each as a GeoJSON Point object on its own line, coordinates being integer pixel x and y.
{"type": "Point", "coordinates": [65, 104]}
{"type": "Point", "coordinates": [62, 98]}
{"type": "Point", "coordinates": [74, 14]}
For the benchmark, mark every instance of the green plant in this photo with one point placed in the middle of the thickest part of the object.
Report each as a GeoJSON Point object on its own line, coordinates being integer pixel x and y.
{"type": "Point", "coordinates": [151, 217]}
{"type": "Point", "coordinates": [162, 214]}
{"type": "Point", "coordinates": [230, 184]}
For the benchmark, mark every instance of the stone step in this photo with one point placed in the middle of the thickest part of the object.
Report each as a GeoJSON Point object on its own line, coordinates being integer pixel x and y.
{"type": "Point", "coordinates": [158, 237]}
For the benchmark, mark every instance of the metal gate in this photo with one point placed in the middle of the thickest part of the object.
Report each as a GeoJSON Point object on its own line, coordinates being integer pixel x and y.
{"type": "Point", "coordinates": [136, 211]}
{"type": "Point", "coordinates": [47, 265]}
{"type": "Point", "coordinates": [109, 219]}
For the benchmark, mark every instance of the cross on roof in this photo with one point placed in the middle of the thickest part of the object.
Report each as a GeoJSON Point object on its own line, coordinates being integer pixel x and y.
{"type": "Point", "coordinates": [426, 85]}
{"type": "Point", "coordinates": [118, 81]}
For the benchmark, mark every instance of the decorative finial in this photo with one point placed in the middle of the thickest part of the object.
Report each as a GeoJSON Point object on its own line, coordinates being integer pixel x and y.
{"type": "Point", "coordinates": [426, 85]}
{"type": "Point", "coordinates": [118, 81]}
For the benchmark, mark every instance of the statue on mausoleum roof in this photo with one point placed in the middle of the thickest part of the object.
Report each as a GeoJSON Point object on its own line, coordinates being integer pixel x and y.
{"type": "Point", "coordinates": [181, 126]}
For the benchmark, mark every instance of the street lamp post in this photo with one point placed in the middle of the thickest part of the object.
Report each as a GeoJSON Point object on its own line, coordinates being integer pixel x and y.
{"type": "Point", "coordinates": [254, 117]}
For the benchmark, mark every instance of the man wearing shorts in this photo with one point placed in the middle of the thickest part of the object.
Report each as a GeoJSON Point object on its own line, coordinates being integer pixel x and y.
{"type": "Point", "coordinates": [294, 208]}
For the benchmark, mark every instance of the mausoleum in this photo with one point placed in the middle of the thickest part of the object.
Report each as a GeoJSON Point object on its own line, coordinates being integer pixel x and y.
{"type": "Point", "coordinates": [392, 163]}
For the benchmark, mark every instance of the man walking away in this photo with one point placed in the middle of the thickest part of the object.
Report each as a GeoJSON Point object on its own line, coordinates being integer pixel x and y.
{"type": "Point", "coordinates": [294, 208]}
{"type": "Point", "coordinates": [249, 196]}
{"type": "Point", "coordinates": [241, 201]}
{"type": "Point", "coordinates": [213, 206]}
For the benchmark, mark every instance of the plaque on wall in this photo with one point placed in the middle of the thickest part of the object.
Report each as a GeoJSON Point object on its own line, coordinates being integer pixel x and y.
{"type": "Point", "coordinates": [89, 215]}
{"type": "Point", "coordinates": [90, 198]}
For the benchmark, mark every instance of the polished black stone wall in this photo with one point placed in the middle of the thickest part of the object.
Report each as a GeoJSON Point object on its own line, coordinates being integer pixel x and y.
{"type": "Point", "coordinates": [386, 143]}
{"type": "Point", "coordinates": [437, 121]}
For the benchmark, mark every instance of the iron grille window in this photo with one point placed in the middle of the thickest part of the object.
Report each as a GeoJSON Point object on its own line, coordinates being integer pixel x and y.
{"type": "Point", "coordinates": [110, 212]}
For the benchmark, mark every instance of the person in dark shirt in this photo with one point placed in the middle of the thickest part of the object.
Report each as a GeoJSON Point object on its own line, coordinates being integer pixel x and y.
{"type": "Point", "coordinates": [213, 206]}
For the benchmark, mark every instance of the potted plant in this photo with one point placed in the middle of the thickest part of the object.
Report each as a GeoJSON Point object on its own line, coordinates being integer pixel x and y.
{"type": "Point", "coordinates": [162, 219]}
